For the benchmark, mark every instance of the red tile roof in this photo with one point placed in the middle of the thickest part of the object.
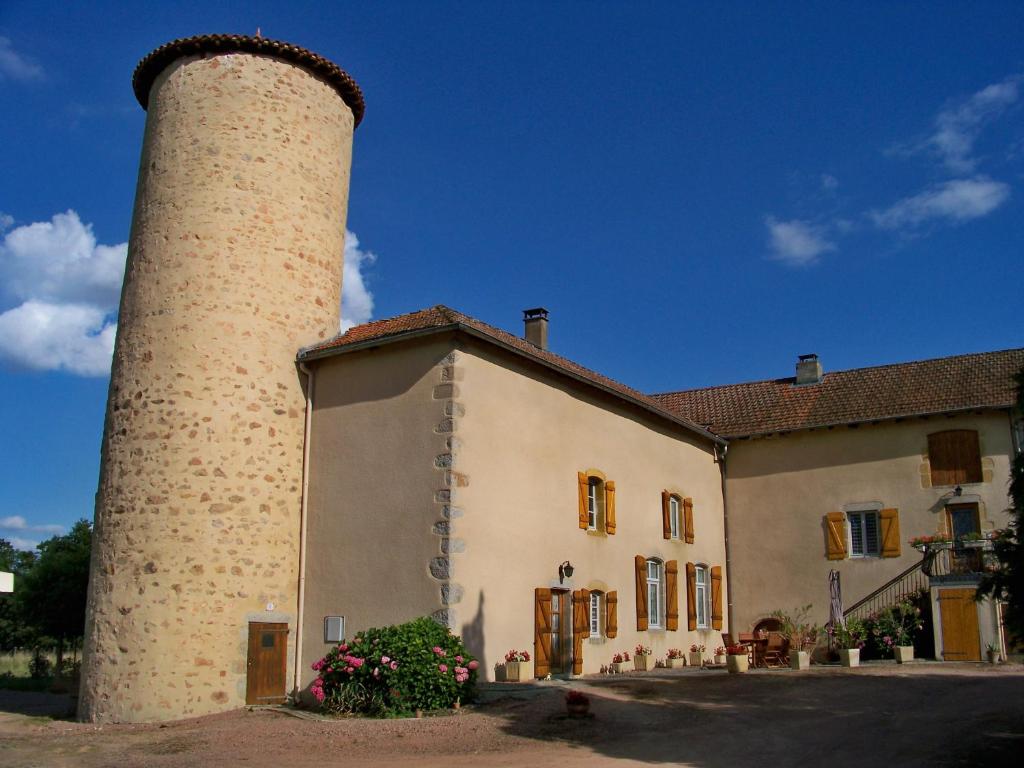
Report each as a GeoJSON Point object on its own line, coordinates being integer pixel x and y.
{"type": "Point", "coordinates": [441, 318]}
{"type": "Point", "coordinates": [944, 385]}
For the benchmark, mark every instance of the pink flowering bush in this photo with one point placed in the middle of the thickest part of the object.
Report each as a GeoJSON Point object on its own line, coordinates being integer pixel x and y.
{"type": "Point", "coordinates": [396, 670]}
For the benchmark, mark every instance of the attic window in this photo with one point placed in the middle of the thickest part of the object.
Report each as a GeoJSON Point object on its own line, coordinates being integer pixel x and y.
{"type": "Point", "coordinates": [955, 457]}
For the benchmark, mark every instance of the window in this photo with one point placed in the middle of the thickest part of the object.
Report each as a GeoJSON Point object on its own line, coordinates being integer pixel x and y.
{"type": "Point", "coordinates": [596, 614]}
{"type": "Point", "coordinates": [954, 457]}
{"type": "Point", "coordinates": [864, 540]}
{"type": "Point", "coordinates": [673, 517]}
{"type": "Point", "coordinates": [596, 502]}
{"type": "Point", "coordinates": [702, 595]}
{"type": "Point", "coordinates": [655, 590]}
{"type": "Point", "coordinates": [593, 502]}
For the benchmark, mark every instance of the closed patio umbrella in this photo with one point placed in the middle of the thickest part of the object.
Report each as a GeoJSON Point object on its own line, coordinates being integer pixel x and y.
{"type": "Point", "coordinates": [835, 604]}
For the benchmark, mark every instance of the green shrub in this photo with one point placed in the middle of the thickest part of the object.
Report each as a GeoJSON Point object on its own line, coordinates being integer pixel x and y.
{"type": "Point", "coordinates": [396, 670]}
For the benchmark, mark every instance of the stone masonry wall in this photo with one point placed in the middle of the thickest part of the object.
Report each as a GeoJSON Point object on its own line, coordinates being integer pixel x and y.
{"type": "Point", "coordinates": [235, 261]}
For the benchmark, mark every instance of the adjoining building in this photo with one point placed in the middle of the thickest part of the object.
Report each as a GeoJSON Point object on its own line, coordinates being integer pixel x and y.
{"type": "Point", "coordinates": [269, 487]}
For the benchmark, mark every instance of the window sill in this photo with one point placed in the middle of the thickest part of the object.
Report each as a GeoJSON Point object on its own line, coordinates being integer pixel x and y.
{"type": "Point", "coordinates": [600, 640]}
{"type": "Point", "coordinates": [599, 534]}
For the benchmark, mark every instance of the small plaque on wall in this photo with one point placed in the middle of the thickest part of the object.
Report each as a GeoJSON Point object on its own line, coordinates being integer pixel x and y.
{"type": "Point", "coordinates": [334, 629]}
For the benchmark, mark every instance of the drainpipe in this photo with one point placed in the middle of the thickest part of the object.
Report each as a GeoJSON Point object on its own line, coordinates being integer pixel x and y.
{"type": "Point", "coordinates": [304, 507]}
{"type": "Point", "coordinates": [720, 458]}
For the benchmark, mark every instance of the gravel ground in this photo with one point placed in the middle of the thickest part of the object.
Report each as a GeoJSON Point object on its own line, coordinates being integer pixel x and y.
{"type": "Point", "coordinates": [915, 715]}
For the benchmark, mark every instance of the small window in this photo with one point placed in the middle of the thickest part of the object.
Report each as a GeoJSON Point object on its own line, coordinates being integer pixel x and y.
{"type": "Point", "coordinates": [594, 494]}
{"type": "Point", "coordinates": [655, 590]}
{"type": "Point", "coordinates": [673, 516]}
{"type": "Point", "coordinates": [703, 596]}
{"type": "Point", "coordinates": [596, 614]}
{"type": "Point", "coordinates": [864, 534]}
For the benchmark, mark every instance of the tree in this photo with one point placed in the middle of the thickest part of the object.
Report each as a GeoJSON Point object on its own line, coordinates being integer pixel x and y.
{"type": "Point", "coordinates": [1006, 582]}
{"type": "Point", "coordinates": [14, 632]}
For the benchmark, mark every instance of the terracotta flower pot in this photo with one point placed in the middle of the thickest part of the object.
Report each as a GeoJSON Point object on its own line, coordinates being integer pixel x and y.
{"type": "Point", "coordinates": [737, 663]}
{"type": "Point", "coordinates": [904, 653]}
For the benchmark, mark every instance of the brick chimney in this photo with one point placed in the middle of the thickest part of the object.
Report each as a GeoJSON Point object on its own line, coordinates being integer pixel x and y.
{"type": "Point", "coordinates": [536, 322]}
{"type": "Point", "coordinates": [808, 369]}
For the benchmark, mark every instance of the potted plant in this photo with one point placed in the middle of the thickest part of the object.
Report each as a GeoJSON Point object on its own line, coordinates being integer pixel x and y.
{"type": "Point", "coordinates": [736, 658]}
{"type": "Point", "coordinates": [849, 639]}
{"type": "Point", "coordinates": [801, 633]}
{"type": "Point", "coordinates": [517, 667]}
{"type": "Point", "coordinates": [674, 658]}
{"type": "Point", "coordinates": [697, 655]}
{"type": "Point", "coordinates": [720, 655]}
{"type": "Point", "coordinates": [992, 653]}
{"type": "Point", "coordinates": [640, 658]}
{"type": "Point", "coordinates": [617, 661]}
{"type": "Point", "coordinates": [577, 703]}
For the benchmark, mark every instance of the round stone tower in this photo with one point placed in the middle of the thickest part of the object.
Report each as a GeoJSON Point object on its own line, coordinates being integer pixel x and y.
{"type": "Point", "coordinates": [234, 263]}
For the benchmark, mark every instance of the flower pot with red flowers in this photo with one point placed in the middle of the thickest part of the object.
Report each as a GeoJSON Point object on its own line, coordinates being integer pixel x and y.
{"type": "Point", "coordinates": [720, 655]}
{"type": "Point", "coordinates": [517, 666]}
{"type": "Point", "coordinates": [618, 660]}
{"type": "Point", "coordinates": [577, 704]}
{"type": "Point", "coordinates": [697, 655]}
{"type": "Point", "coordinates": [675, 659]}
{"type": "Point", "coordinates": [641, 658]}
{"type": "Point", "coordinates": [736, 659]}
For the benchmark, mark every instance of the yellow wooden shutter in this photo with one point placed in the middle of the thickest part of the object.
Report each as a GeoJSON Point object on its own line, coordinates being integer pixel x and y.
{"type": "Point", "coordinates": [611, 614]}
{"type": "Point", "coordinates": [890, 524]}
{"type": "Point", "coordinates": [584, 483]}
{"type": "Point", "coordinates": [609, 507]}
{"type": "Point", "coordinates": [691, 596]}
{"type": "Point", "coordinates": [541, 632]}
{"type": "Point", "coordinates": [835, 523]}
{"type": "Point", "coordinates": [716, 597]}
{"type": "Point", "coordinates": [579, 626]}
{"type": "Point", "coordinates": [672, 595]}
{"type": "Point", "coordinates": [666, 526]}
{"type": "Point", "coordinates": [688, 519]}
{"type": "Point", "coordinates": [641, 592]}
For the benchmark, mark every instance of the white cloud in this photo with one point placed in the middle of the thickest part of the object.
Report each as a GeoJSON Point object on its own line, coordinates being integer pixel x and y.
{"type": "Point", "coordinates": [957, 127]}
{"type": "Point", "coordinates": [19, 523]}
{"type": "Point", "coordinates": [356, 299]}
{"type": "Point", "coordinates": [77, 338]}
{"type": "Point", "coordinates": [796, 242]}
{"type": "Point", "coordinates": [6, 221]}
{"type": "Point", "coordinates": [954, 201]}
{"type": "Point", "coordinates": [18, 542]}
{"type": "Point", "coordinates": [15, 66]}
{"type": "Point", "coordinates": [829, 183]}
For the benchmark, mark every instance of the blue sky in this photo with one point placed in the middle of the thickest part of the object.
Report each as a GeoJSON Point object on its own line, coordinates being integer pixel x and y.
{"type": "Point", "coordinates": [698, 194]}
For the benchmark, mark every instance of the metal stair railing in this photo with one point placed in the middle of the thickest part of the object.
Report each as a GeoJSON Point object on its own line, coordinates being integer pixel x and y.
{"type": "Point", "coordinates": [907, 585]}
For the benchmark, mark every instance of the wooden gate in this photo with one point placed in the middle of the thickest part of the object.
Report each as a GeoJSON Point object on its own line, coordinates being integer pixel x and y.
{"type": "Point", "coordinates": [266, 673]}
{"type": "Point", "coordinates": [959, 616]}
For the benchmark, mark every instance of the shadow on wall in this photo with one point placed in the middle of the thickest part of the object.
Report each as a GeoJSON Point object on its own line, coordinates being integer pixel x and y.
{"type": "Point", "coordinates": [473, 633]}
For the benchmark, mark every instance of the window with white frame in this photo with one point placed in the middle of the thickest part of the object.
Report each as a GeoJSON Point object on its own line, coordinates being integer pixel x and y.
{"type": "Point", "coordinates": [595, 494]}
{"type": "Point", "coordinates": [596, 614]}
{"type": "Point", "coordinates": [673, 516]}
{"type": "Point", "coordinates": [655, 590]}
{"type": "Point", "coordinates": [703, 595]}
{"type": "Point", "coordinates": [864, 533]}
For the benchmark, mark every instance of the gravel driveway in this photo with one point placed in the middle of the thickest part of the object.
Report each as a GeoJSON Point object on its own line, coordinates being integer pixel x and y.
{"type": "Point", "coordinates": [925, 714]}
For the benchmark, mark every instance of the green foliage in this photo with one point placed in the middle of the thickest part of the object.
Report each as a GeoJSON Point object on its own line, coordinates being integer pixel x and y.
{"type": "Point", "coordinates": [797, 627]}
{"type": "Point", "coordinates": [853, 635]}
{"type": "Point", "coordinates": [1006, 581]}
{"type": "Point", "coordinates": [396, 670]}
{"type": "Point", "coordinates": [891, 627]}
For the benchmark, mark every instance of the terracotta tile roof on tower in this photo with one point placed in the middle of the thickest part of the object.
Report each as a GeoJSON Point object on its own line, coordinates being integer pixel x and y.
{"type": "Point", "coordinates": [943, 385]}
{"type": "Point", "coordinates": [440, 318]}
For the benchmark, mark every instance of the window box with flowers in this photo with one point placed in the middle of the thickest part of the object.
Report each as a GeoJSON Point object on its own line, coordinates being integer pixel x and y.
{"type": "Point", "coordinates": [737, 659]}
{"type": "Point", "coordinates": [641, 658]}
{"type": "Point", "coordinates": [675, 659]}
{"type": "Point", "coordinates": [617, 661]}
{"type": "Point", "coordinates": [697, 655]}
{"type": "Point", "coordinates": [516, 668]}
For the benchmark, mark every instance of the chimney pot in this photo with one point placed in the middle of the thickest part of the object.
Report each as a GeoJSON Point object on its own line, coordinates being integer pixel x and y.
{"type": "Point", "coordinates": [808, 369]}
{"type": "Point", "coordinates": [536, 322]}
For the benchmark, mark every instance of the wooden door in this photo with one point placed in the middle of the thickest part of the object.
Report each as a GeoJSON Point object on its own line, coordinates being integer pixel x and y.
{"type": "Point", "coordinates": [267, 664]}
{"type": "Point", "coordinates": [561, 632]}
{"type": "Point", "coordinates": [959, 616]}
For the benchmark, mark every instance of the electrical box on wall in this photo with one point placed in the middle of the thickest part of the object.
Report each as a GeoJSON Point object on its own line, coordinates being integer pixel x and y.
{"type": "Point", "coordinates": [334, 629]}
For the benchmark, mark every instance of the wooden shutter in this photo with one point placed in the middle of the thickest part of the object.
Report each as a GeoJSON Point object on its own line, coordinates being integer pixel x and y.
{"type": "Point", "coordinates": [835, 522]}
{"type": "Point", "coordinates": [666, 522]}
{"type": "Point", "coordinates": [672, 595]}
{"type": "Point", "coordinates": [716, 597]}
{"type": "Point", "coordinates": [691, 596]}
{"type": "Point", "coordinates": [580, 627]}
{"type": "Point", "coordinates": [611, 614]}
{"type": "Point", "coordinates": [541, 632]}
{"type": "Point", "coordinates": [954, 457]}
{"type": "Point", "coordinates": [584, 483]}
{"type": "Point", "coordinates": [889, 520]}
{"type": "Point", "coordinates": [609, 507]}
{"type": "Point", "coordinates": [688, 519]}
{"type": "Point", "coordinates": [641, 592]}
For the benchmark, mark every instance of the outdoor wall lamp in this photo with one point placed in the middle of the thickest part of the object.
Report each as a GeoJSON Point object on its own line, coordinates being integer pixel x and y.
{"type": "Point", "coordinates": [958, 491]}
{"type": "Point", "coordinates": [565, 571]}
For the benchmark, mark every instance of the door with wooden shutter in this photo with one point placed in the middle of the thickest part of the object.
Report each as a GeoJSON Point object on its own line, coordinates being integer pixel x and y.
{"type": "Point", "coordinates": [672, 595]}
{"type": "Point", "coordinates": [688, 519]}
{"type": "Point", "coordinates": [541, 632]}
{"type": "Point", "coordinates": [959, 616]}
{"type": "Point", "coordinates": [835, 535]}
{"type": "Point", "coordinates": [716, 597]}
{"type": "Point", "coordinates": [889, 521]}
{"type": "Point", "coordinates": [691, 596]}
{"type": "Point", "coordinates": [611, 614]}
{"type": "Point", "coordinates": [640, 568]}
{"type": "Point", "coordinates": [266, 666]}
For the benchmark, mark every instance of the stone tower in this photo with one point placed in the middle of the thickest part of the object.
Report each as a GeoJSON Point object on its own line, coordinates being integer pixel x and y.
{"type": "Point", "coordinates": [234, 263]}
